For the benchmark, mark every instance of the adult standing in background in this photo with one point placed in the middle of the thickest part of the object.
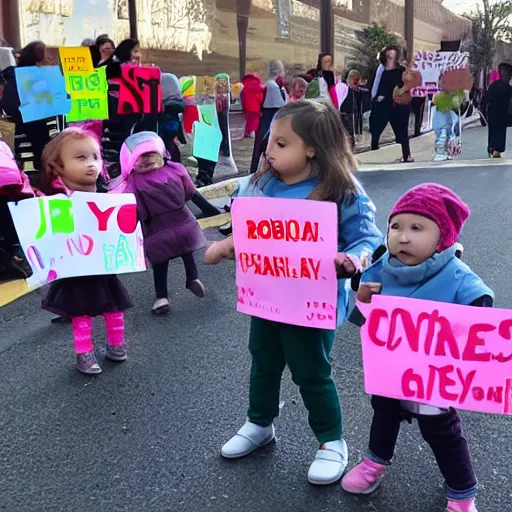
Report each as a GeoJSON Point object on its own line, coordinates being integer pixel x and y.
{"type": "Point", "coordinates": [128, 52]}
{"type": "Point", "coordinates": [37, 132]}
{"type": "Point", "coordinates": [352, 107]}
{"type": "Point", "coordinates": [274, 100]}
{"type": "Point", "coordinates": [499, 97]}
{"type": "Point", "coordinates": [384, 109]}
{"type": "Point", "coordinates": [106, 48]}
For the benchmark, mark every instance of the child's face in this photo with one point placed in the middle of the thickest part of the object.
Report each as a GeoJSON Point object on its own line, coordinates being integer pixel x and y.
{"type": "Point", "coordinates": [149, 162]}
{"type": "Point", "coordinates": [81, 164]}
{"type": "Point", "coordinates": [326, 63]}
{"type": "Point", "coordinates": [412, 239]}
{"type": "Point", "coordinates": [136, 56]}
{"type": "Point", "coordinates": [298, 90]}
{"type": "Point", "coordinates": [286, 152]}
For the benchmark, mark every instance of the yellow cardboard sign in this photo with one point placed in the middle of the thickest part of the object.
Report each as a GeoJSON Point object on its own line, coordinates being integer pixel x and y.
{"type": "Point", "coordinates": [76, 59]}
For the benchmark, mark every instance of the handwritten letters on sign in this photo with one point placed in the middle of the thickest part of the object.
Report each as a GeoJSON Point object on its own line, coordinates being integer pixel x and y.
{"type": "Point", "coordinates": [85, 234]}
{"type": "Point", "coordinates": [439, 354]}
{"type": "Point", "coordinates": [285, 252]}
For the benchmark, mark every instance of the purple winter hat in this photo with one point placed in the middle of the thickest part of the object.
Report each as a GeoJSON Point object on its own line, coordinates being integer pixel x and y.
{"type": "Point", "coordinates": [438, 203]}
{"type": "Point", "coordinates": [135, 146]}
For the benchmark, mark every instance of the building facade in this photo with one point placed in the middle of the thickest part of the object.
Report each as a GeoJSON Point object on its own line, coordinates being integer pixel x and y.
{"type": "Point", "coordinates": [209, 36]}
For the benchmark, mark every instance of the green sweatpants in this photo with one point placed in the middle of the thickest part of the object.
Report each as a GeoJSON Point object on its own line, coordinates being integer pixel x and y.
{"type": "Point", "coordinates": [307, 353]}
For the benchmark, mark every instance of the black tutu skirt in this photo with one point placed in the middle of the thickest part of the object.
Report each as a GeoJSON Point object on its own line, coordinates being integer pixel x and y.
{"type": "Point", "coordinates": [87, 296]}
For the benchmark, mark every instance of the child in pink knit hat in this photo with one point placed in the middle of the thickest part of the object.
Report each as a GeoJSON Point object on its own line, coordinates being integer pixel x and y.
{"type": "Point", "coordinates": [421, 262]}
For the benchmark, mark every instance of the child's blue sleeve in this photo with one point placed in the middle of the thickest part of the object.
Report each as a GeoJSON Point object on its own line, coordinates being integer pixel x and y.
{"type": "Point", "coordinates": [359, 233]}
{"type": "Point", "coordinates": [471, 289]}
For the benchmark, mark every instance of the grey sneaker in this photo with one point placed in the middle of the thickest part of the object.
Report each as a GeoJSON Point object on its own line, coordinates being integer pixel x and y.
{"type": "Point", "coordinates": [196, 287]}
{"type": "Point", "coordinates": [86, 363]}
{"type": "Point", "coordinates": [116, 353]}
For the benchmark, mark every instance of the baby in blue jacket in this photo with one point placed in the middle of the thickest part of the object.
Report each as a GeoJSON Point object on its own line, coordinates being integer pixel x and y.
{"type": "Point", "coordinates": [423, 228]}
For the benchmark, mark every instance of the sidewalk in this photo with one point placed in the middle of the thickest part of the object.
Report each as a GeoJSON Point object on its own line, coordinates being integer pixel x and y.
{"type": "Point", "coordinates": [422, 149]}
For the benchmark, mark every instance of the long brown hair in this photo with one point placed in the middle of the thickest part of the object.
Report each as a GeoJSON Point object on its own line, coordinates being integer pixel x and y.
{"type": "Point", "coordinates": [319, 125]}
{"type": "Point", "coordinates": [50, 183]}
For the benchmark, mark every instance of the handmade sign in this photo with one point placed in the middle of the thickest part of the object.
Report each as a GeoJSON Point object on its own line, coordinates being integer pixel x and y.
{"type": "Point", "coordinates": [207, 139]}
{"type": "Point", "coordinates": [76, 59]}
{"type": "Point", "coordinates": [188, 88]}
{"type": "Point", "coordinates": [432, 64]}
{"type": "Point", "coordinates": [223, 103]}
{"type": "Point", "coordinates": [88, 92]}
{"type": "Point", "coordinates": [85, 234]}
{"type": "Point", "coordinates": [285, 250]}
{"type": "Point", "coordinates": [440, 354]}
{"type": "Point", "coordinates": [205, 90]}
{"type": "Point", "coordinates": [140, 90]}
{"type": "Point", "coordinates": [42, 92]}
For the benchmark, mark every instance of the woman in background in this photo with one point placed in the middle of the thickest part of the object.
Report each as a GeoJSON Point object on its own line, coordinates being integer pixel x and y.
{"type": "Point", "coordinates": [274, 100]}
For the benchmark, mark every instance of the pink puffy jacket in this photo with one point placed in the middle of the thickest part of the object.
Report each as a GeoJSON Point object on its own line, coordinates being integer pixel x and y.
{"type": "Point", "coordinates": [14, 183]}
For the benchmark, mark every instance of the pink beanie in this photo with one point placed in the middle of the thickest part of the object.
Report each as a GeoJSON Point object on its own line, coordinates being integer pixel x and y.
{"type": "Point", "coordinates": [135, 146]}
{"type": "Point", "coordinates": [439, 204]}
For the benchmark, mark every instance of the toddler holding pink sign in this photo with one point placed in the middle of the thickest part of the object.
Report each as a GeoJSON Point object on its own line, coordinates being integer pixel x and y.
{"type": "Point", "coordinates": [308, 157]}
{"type": "Point", "coordinates": [72, 162]}
{"type": "Point", "coordinates": [421, 263]}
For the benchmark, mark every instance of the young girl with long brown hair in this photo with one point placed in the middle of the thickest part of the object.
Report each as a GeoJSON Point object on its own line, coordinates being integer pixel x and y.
{"type": "Point", "coordinates": [72, 162]}
{"type": "Point", "coordinates": [308, 157]}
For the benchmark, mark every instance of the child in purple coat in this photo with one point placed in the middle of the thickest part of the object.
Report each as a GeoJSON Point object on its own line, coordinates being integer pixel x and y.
{"type": "Point", "coordinates": [162, 189]}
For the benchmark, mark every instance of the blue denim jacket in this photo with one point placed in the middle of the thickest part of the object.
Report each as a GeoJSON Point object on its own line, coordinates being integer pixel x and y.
{"type": "Point", "coordinates": [357, 235]}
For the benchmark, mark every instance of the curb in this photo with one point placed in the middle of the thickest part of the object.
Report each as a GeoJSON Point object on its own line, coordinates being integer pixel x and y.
{"type": "Point", "coordinates": [454, 164]}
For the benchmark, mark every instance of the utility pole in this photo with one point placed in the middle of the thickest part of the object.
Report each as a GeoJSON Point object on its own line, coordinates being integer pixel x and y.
{"type": "Point", "coordinates": [132, 16]}
{"type": "Point", "coordinates": [326, 27]}
{"type": "Point", "coordinates": [409, 29]}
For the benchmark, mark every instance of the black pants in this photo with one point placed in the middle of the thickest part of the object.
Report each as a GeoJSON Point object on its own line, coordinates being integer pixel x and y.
{"type": "Point", "coordinates": [267, 114]}
{"type": "Point", "coordinates": [160, 274]}
{"type": "Point", "coordinates": [398, 115]}
{"type": "Point", "coordinates": [205, 171]}
{"type": "Point", "coordinates": [443, 433]}
{"type": "Point", "coordinates": [497, 132]}
{"type": "Point", "coordinates": [8, 235]}
{"type": "Point", "coordinates": [348, 122]}
{"type": "Point", "coordinates": [418, 109]}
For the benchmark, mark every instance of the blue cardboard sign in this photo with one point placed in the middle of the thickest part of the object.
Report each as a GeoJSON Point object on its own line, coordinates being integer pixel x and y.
{"type": "Point", "coordinates": [42, 92]}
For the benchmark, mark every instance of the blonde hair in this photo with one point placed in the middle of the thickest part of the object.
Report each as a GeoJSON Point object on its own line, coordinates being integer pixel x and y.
{"type": "Point", "coordinates": [275, 68]}
{"type": "Point", "coordinates": [319, 125]}
{"type": "Point", "coordinates": [52, 163]}
{"type": "Point", "coordinates": [352, 73]}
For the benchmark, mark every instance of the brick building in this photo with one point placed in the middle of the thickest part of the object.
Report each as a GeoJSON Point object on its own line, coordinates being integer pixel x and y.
{"type": "Point", "coordinates": [202, 36]}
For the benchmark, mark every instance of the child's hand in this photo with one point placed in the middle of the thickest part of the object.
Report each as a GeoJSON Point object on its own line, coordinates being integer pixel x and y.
{"type": "Point", "coordinates": [220, 250]}
{"type": "Point", "coordinates": [366, 290]}
{"type": "Point", "coordinates": [346, 266]}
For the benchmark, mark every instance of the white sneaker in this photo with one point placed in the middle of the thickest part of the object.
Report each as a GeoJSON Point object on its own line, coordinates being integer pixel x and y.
{"type": "Point", "coordinates": [440, 158]}
{"type": "Point", "coordinates": [248, 439]}
{"type": "Point", "coordinates": [160, 306]}
{"type": "Point", "coordinates": [330, 463]}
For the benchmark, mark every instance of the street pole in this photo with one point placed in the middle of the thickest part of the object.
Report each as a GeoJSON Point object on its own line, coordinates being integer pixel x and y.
{"type": "Point", "coordinates": [326, 27]}
{"type": "Point", "coordinates": [132, 15]}
{"type": "Point", "coordinates": [12, 25]}
{"type": "Point", "coordinates": [409, 29]}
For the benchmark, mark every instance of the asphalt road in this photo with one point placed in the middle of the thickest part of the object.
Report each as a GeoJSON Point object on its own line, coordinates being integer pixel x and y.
{"type": "Point", "coordinates": [146, 435]}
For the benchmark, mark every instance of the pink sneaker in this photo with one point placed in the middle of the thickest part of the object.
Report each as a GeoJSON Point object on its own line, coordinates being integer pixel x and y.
{"type": "Point", "coordinates": [461, 506]}
{"type": "Point", "coordinates": [364, 478]}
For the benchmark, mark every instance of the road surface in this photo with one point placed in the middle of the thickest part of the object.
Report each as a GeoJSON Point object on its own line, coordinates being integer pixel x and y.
{"type": "Point", "coordinates": [146, 435]}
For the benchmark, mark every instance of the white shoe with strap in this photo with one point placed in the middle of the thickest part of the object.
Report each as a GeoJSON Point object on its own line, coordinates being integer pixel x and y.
{"type": "Point", "coordinates": [330, 463]}
{"type": "Point", "coordinates": [248, 439]}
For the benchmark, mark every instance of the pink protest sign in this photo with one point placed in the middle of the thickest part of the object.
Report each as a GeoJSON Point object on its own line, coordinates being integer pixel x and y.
{"type": "Point", "coordinates": [285, 250]}
{"type": "Point", "coordinates": [439, 354]}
